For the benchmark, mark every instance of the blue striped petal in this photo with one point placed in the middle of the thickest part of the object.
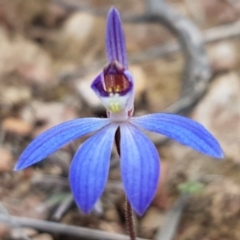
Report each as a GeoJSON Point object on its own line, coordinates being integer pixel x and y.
{"type": "Point", "coordinates": [56, 137]}
{"type": "Point", "coordinates": [139, 167]}
{"type": "Point", "coordinates": [90, 166]}
{"type": "Point", "coordinates": [115, 40]}
{"type": "Point", "coordinates": [181, 129]}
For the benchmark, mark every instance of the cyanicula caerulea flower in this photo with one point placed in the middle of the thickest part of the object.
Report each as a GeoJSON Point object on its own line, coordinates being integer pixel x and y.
{"type": "Point", "coordinates": [139, 158]}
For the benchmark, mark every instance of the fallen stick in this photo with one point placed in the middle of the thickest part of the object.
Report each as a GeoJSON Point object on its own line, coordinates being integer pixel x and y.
{"type": "Point", "coordinates": [60, 228]}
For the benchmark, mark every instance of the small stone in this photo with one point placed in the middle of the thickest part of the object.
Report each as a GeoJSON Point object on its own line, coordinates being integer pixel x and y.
{"type": "Point", "coordinates": [16, 126]}
{"type": "Point", "coordinates": [112, 215]}
{"type": "Point", "coordinates": [83, 87]}
{"type": "Point", "coordinates": [4, 231]}
{"type": "Point", "coordinates": [15, 95]}
{"type": "Point", "coordinates": [86, 44]}
{"type": "Point", "coordinates": [151, 221]}
{"type": "Point", "coordinates": [43, 236]}
{"type": "Point", "coordinates": [6, 160]}
{"type": "Point", "coordinates": [223, 56]}
{"type": "Point", "coordinates": [27, 114]}
{"type": "Point", "coordinates": [30, 232]}
{"type": "Point", "coordinates": [112, 227]}
{"type": "Point", "coordinates": [32, 68]}
{"type": "Point", "coordinates": [17, 233]}
{"type": "Point", "coordinates": [51, 114]}
{"type": "Point", "coordinates": [71, 26]}
{"type": "Point", "coordinates": [225, 195]}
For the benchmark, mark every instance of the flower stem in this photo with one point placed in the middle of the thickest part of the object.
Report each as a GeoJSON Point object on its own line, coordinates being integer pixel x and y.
{"type": "Point", "coordinates": [128, 208]}
{"type": "Point", "coordinates": [129, 220]}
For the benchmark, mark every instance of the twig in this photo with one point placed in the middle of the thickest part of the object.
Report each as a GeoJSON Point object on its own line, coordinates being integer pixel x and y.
{"type": "Point", "coordinates": [169, 228]}
{"type": "Point", "coordinates": [222, 32]}
{"type": "Point", "coordinates": [197, 72]}
{"type": "Point", "coordinates": [59, 228]}
{"type": "Point", "coordinates": [63, 207]}
{"type": "Point", "coordinates": [4, 212]}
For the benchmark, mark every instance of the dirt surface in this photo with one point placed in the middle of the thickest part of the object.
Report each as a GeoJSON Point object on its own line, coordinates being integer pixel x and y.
{"type": "Point", "coordinates": [50, 52]}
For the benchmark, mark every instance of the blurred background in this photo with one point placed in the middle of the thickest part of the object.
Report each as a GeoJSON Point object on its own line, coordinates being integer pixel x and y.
{"type": "Point", "coordinates": [51, 50]}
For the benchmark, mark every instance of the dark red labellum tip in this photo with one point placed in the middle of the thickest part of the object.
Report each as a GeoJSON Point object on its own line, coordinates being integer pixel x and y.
{"type": "Point", "coordinates": [114, 79]}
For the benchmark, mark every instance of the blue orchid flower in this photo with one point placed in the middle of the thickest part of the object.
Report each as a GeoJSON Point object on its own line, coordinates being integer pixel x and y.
{"type": "Point", "coordinates": [140, 163]}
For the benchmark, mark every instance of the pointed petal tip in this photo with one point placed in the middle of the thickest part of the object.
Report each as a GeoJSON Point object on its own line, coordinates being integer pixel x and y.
{"type": "Point", "coordinates": [112, 14]}
{"type": "Point", "coordinates": [140, 212]}
{"type": "Point", "coordinates": [16, 168]}
{"type": "Point", "coordinates": [115, 39]}
{"type": "Point", "coordinates": [215, 151]}
{"type": "Point", "coordinates": [21, 164]}
{"type": "Point", "coordinates": [219, 155]}
{"type": "Point", "coordinates": [85, 211]}
{"type": "Point", "coordinates": [19, 167]}
{"type": "Point", "coordinates": [113, 11]}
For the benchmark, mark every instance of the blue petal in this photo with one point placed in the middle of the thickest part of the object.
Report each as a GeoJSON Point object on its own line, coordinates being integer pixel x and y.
{"type": "Point", "coordinates": [90, 166]}
{"type": "Point", "coordinates": [183, 130]}
{"type": "Point", "coordinates": [140, 167]}
{"type": "Point", "coordinates": [56, 137]}
{"type": "Point", "coordinates": [115, 40]}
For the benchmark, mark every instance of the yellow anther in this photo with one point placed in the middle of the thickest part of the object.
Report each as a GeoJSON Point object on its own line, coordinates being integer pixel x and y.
{"type": "Point", "coordinates": [117, 88]}
{"type": "Point", "coordinates": [109, 90]}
